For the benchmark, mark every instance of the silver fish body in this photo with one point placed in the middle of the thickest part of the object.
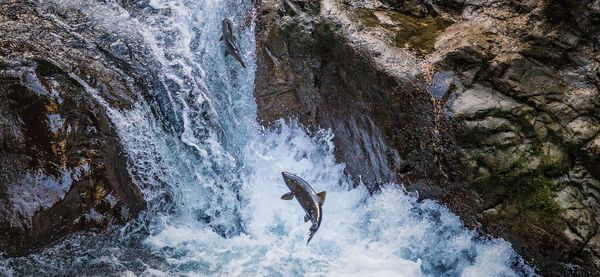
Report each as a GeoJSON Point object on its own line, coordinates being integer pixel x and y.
{"type": "Point", "coordinates": [230, 43]}
{"type": "Point", "coordinates": [310, 201]}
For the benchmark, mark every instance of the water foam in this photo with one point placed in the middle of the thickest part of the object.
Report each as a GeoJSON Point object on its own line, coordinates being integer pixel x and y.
{"type": "Point", "coordinates": [387, 234]}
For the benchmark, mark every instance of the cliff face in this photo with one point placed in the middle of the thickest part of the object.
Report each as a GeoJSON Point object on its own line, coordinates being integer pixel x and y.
{"type": "Point", "coordinates": [61, 164]}
{"type": "Point", "coordinates": [492, 107]}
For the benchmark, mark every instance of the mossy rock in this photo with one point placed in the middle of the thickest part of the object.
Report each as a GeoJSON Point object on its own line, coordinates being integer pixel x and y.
{"type": "Point", "coordinates": [417, 34]}
{"type": "Point", "coordinates": [527, 192]}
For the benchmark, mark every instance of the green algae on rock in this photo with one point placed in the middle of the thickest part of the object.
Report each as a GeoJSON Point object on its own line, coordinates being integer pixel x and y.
{"type": "Point", "coordinates": [417, 34]}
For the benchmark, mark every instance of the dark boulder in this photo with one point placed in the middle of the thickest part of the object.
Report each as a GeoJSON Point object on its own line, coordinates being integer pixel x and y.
{"type": "Point", "coordinates": [62, 167]}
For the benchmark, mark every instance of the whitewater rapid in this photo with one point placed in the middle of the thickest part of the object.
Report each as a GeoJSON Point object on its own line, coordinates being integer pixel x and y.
{"type": "Point", "coordinates": [212, 177]}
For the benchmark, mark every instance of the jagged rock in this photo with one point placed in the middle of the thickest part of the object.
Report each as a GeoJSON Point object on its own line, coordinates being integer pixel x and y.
{"type": "Point", "coordinates": [499, 95]}
{"type": "Point", "coordinates": [480, 101]}
{"type": "Point", "coordinates": [582, 129]}
{"type": "Point", "coordinates": [62, 168]}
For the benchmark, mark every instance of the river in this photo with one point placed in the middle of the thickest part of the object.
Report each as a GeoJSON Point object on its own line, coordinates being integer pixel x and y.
{"type": "Point", "coordinates": [211, 176]}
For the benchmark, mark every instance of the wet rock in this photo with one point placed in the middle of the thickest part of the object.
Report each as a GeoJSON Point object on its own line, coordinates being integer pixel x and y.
{"type": "Point", "coordinates": [582, 129]}
{"type": "Point", "coordinates": [62, 168]}
{"type": "Point", "coordinates": [528, 147]}
{"type": "Point", "coordinates": [494, 103]}
{"type": "Point", "coordinates": [478, 101]}
{"type": "Point", "coordinates": [299, 77]}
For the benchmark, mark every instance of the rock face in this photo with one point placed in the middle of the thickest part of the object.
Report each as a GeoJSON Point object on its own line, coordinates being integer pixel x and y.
{"type": "Point", "coordinates": [61, 164]}
{"type": "Point", "coordinates": [492, 107]}
{"type": "Point", "coordinates": [318, 75]}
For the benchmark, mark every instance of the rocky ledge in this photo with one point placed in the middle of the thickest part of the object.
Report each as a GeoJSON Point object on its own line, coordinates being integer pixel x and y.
{"type": "Point", "coordinates": [62, 168]}
{"type": "Point", "coordinates": [491, 107]}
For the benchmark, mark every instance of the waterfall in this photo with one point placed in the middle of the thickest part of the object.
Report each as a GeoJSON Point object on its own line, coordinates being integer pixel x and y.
{"type": "Point", "coordinates": [212, 176]}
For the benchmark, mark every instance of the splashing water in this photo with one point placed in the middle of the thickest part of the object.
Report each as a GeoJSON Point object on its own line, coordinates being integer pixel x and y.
{"type": "Point", "coordinates": [212, 178]}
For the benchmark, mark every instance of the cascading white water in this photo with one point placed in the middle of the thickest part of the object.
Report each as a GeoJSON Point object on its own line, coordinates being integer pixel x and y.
{"type": "Point", "coordinates": [212, 178]}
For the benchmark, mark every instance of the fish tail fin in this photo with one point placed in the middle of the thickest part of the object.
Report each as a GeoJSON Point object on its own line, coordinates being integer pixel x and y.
{"type": "Point", "coordinates": [309, 238]}
{"type": "Point", "coordinates": [239, 59]}
{"type": "Point", "coordinates": [313, 230]}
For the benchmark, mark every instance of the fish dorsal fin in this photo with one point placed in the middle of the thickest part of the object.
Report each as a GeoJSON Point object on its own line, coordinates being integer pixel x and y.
{"type": "Point", "coordinates": [306, 218]}
{"type": "Point", "coordinates": [322, 196]}
{"type": "Point", "coordinates": [288, 196]}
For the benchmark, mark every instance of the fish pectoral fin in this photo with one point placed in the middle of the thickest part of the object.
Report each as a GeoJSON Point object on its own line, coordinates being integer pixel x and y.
{"type": "Point", "coordinates": [227, 52]}
{"type": "Point", "coordinates": [322, 196]}
{"type": "Point", "coordinates": [306, 218]}
{"type": "Point", "coordinates": [288, 196]}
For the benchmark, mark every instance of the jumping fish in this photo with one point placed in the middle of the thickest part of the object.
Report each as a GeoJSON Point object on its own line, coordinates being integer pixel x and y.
{"type": "Point", "coordinates": [229, 38]}
{"type": "Point", "coordinates": [310, 201]}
